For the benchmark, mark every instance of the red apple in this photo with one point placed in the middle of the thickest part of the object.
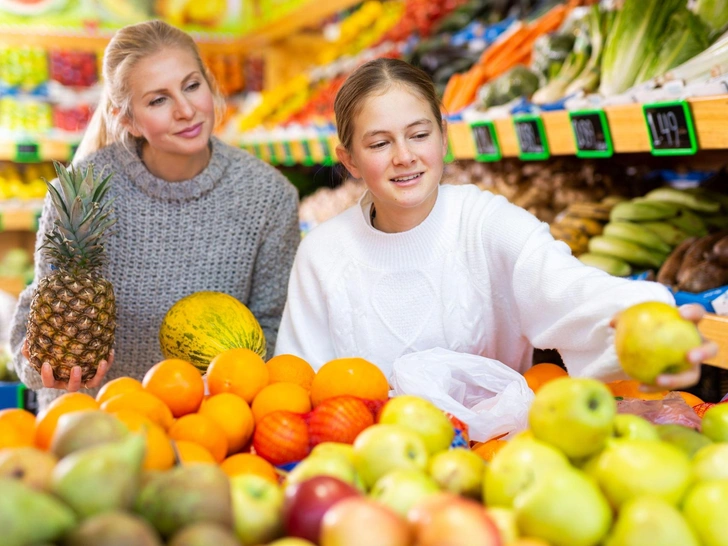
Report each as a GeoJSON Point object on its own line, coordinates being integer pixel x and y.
{"type": "Point", "coordinates": [339, 419]}
{"type": "Point", "coordinates": [306, 503]}
{"type": "Point", "coordinates": [359, 521]}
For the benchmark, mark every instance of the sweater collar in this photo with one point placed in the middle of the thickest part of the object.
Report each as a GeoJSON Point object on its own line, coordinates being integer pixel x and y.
{"type": "Point", "coordinates": [185, 190]}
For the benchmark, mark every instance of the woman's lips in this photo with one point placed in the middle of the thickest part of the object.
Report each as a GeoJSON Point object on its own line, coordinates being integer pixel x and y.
{"type": "Point", "coordinates": [192, 132]}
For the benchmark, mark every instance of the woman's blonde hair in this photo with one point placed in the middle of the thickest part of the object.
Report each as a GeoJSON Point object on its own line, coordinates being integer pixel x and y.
{"type": "Point", "coordinates": [130, 45]}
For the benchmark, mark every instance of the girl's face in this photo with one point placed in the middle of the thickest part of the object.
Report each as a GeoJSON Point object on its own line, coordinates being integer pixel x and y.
{"type": "Point", "coordinates": [172, 105]}
{"type": "Point", "coordinates": [398, 149]}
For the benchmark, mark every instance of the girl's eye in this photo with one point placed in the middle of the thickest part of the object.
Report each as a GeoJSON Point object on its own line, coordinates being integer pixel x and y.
{"type": "Point", "coordinates": [193, 86]}
{"type": "Point", "coordinates": [377, 145]}
{"type": "Point", "coordinates": [421, 136]}
{"type": "Point", "coordinates": [157, 102]}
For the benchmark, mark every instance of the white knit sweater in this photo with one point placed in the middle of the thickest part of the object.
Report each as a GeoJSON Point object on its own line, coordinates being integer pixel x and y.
{"type": "Point", "coordinates": [478, 276]}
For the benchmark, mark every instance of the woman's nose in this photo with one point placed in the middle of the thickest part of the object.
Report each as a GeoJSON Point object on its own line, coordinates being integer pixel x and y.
{"type": "Point", "coordinates": [184, 108]}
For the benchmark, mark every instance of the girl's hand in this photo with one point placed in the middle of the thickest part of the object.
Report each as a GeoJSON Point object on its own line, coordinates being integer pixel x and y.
{"type": "Point", "coordinates": [74, 383]}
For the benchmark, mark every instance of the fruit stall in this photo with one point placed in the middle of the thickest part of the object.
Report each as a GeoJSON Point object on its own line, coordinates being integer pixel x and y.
{"type": "Point", "coordinates": [606, 120]}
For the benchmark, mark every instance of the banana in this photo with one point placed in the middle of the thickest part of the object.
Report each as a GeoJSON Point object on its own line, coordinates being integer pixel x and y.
{"type": "Point", "coordinates": [690, 223]}
{"type": "Point", "coordinates": [639, 210]}
{"type": "Point", "coordinates": [595, 211]}
{"type": "Point", "coordinates": [589, 226]}
{"type": "Point", "coordinates": [574, 238]}
{"type": "Point", "coordinates": [685, 199]}
{"type": "Point", "coordinates": [670, 234]}
{"type": "Point", "coordinates": [710, 195]}
{"type": "Point", "coordinates": [611, 200]}
{"type": "Point", "coordinates": [610, 264]}
{"type": "Point", "coordinates": [636, 233]}
{"type": "Point", "coordinates": [717, 221]}
{"type": "Point", "coordinates": [626, 250]}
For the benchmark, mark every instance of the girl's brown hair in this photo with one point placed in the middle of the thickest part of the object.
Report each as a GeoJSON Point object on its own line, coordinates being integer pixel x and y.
{"type": "Point", "coordinates": [130, 45]}
{"type": "Point", "coordinates": [375, 77]}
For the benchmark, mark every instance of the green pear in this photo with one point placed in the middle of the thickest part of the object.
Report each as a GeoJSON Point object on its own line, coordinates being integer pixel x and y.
{"type": "Point", "coordinates": [653, 521]}
{"type": "Point", "coordinates": [184, 495]}
{"type": "Point", "coordinates": [113, 529]}
{"type": "Point", "coordinates": [28, 516]}
{"type": "Point", "coordinates": [685, 438]}
{"type": "Point", "coordinates": [101, 478]}
{"type": "Point", "coordinates": [627, 425]}
{"type": "Point", "coordinates": [651, 339]}
{"type": "Point", "coordinates": [30, 465]}
{"type": "Point", "coordinates": [82, 429]}
{"type": "Point", "coordinates": [705, 508]}
{"type": "Point", "coordinates": [204, 533]}
{"type": "Point", "coordinates": [565, 508]}
{"type": "Point", "coordinates": [715, 422]}
{"type": "Point", "coordinates": [711, 463]}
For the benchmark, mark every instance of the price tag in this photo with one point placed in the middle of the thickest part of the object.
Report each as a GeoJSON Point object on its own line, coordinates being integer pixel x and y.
{"type": "Point", "coordinates": [591, 133]}
{"type": "Point", "coordinates": [671, 128]}
{"type": "Point", "coordinates": [485, 137]}
{"type": "Point", "coordinates": [287, 154]}
{"type": "Point", "coordinates": [27, 152]}
{"type": "Point", "coordinates": [531, 137]}
{"type": "Point", "coordinates": [272, 156]}
{"type": "Point", "coordinates": [327, 158]}
{"type": "Point", "coordinates": [306, 150]}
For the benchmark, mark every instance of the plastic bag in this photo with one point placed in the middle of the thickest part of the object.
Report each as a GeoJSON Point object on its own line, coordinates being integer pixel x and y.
{"type": "Point", "coordinates": [488, 396]}
{"type": "Point", "coordinates": [670, 410]}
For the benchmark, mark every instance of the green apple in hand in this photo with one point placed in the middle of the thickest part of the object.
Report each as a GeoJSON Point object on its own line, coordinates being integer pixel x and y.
{"type": "Point", "coordinates": [651, 339]}
{"type": "Point", "coordinates": [382, 448]}
{"type": "Point", "coordinates": [715, 422]}
{"type": "Point", "coordinates": [565, 508]}
{"type": "Point", "coordinates": [402, 488]}
{"type": "Point", "coordinates": [706, 507]}
{"type": "Point", "coordinates": [519, 463]}
{"type": "Point", "coordinates": [631, 468]}
{"type": "Point", "coordinates": [576, 415]}
{"type": "Point", "coordinates": [257, 509]}
{"type": "Point", "coordinates": [650, 520]}
{"type": "Point", "coordinates": [459, 471]}
{"type": "Point", "coordinates": [711, 463]}
{"type": "Point", "coordinates": [423, 417]}
{"type": "Point", "coordinates": [627, 425]}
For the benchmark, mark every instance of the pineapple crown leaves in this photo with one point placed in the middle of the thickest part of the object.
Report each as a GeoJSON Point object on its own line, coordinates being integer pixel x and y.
{"type": "Point", "coordinates": [75, 243]}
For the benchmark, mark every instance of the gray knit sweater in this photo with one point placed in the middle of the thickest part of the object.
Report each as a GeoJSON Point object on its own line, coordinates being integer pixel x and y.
{"type": "Point", "coordinates": [233, 228]}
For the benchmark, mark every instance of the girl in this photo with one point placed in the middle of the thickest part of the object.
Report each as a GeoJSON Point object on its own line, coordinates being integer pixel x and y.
{"type": "Point", "coordinates": [416, 265]}
{"type": "Point", "coordinates": [192, 212]}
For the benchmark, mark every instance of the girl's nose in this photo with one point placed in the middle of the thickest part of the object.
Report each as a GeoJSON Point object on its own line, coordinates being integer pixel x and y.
{"type": "Point", "coordinates": [403, 155]}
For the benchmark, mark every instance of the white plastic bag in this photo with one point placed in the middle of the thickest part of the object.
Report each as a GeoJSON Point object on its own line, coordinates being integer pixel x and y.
{"type": "Point", "coordinates": [488, 396]}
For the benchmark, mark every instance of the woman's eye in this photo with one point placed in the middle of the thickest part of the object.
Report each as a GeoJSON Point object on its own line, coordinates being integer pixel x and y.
{"type": "Point", "coordinates": [157, 102]}
{"type": "Point", "coordinates": [377, 145]}
{"type": "Point", "coordinates": [193, 86]}
{"type": "Point", "coordinates": [421, 136]}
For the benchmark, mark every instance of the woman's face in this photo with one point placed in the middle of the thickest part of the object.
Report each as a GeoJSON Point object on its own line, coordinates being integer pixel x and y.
{"type": "Point", "coordinates": [172, 105]}
{"type": "Point", "coordinates": [398, 149]}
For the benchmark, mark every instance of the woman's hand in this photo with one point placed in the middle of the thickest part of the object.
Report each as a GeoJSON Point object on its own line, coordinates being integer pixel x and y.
{"type": "Point", "coordinates": [74, 383]}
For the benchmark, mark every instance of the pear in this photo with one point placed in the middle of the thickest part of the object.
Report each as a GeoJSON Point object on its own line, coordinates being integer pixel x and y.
{"type": "Point", "coordinates": [28, 516]}
{"type": "Point", "coordinates": [82, 429]}
{"type": "Point", "coordinates": [113, 529]}
{"type": "Point", "coordinates": [184, 495]}
{"type": "Point", "coordinates": [687, 439]}
{"type": "Point", "coordinates": [204, 533]}
{"type": "Point", "coordinates": [101, 478]}
{"type": "Point", "coordinates": [651, 339]}
{"type": "Point", "coordinates": [30, 465]}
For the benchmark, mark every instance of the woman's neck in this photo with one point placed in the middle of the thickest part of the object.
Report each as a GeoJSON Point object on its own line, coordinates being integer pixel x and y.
{"type": "Point", "coordinates": [174, 168]}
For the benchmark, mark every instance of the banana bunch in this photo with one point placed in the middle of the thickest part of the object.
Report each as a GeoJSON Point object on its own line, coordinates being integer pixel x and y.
{"type": "Point", "coordinates": [643, 232]}
{"type": "Point", "coordinates": [581, 222]}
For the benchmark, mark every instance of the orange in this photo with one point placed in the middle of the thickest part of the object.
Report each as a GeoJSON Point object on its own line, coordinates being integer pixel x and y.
{"type": "Point", "coordinates": [203, 431]}
{"type": "Point", "coordinates": [281, 396]}
{"type": "Point", "coordinates": [488, 449]}
{"type": "Point", "coordinates": [540, 374]}
{"type": "Point", "coordinates": [630, 388]}
{"type": "Point", "coordinates": [239, 371]}
{"type": "Point", "coordinates": [233, 415]}
{"type": "Point", "coordinates": [45, 424]}
{"type": "Point", "coordinates": [22, 421]}
{"type": "Point", "coordinates": [690, 399]}
{"type": "Point", "coordinates": [12, 437]}
{"type": "Point", "coordinates": [177, 383]}
{"type": "Point", "coordinates": [248, 463]}
{"type": "Point", "coordinates": [118, 386]}
{"type": "Point", "coordinates": [290, 369]}
{"type": "Point", "coordinates": [159, 453]}
{"type": "Point", "coordinates": [190, 453]}
{"type": "Point", "coordinates": [142, 402]}
{"type": "Point", "coordinates": [349, 376]}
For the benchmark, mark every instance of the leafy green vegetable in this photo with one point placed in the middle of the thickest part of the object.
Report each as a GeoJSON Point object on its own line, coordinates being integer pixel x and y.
{"type": "Point", "coordinates": [713, 13]}
{"type": "Point", "coordinates": [517, 82]}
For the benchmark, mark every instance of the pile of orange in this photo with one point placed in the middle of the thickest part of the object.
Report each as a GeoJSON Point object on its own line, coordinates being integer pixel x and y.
{"type": "Point", "coordinates": [540, 374]}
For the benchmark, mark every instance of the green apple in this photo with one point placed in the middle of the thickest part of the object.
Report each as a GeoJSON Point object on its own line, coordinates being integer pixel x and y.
{"type": "Point", "coordinates": [360, 521]}
{"type": "Point", "coordinates": [257, 509]}
{"type": "Point", "coordinates": [505, 520]}
{"type": "Point", "coordinates": [565, 508]}
{"type": "Point", "coordinates": [576, 415]}
{"type": "Point", "coordinates": [520, 462]}
{"type": "Point", "coordinates": [291, 541]}
{"type": "Point", "coordinates": [402, 488]}
{"type": "Point", "coordinates": [423, 417]}
{"type": "Point", "coordinates": [685, 438]}
{"type": "Point", "coordinates": [651, 339]}
{"type": "Point", "coordinates": [630, 468]}
{"type": "Point", "coordinates": [711, 463]}
{"type": "Point", "coordinates": [382, 448]}
{"type": "Point", "coordinates": [336, 465]}
{"type": "Point", "coordinates": [627, 425]}
{"type": "Point", "coordinates": [715, 423]}
{"type": "Point", "coordinates": [705, 508]}
{"type": "Point", "coordinates": [649, 520]}
{"type": "Point", "coordinates": [459, 471]}
{"type": "Point", "coordinates": [333, 448]}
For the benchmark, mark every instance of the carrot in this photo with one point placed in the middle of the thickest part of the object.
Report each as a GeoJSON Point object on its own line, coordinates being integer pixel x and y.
{"type": "Point", "coordinates": [451, 89]}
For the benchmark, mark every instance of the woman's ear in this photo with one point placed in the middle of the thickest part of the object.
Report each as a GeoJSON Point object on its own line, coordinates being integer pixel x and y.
{"type": "Point", "coordinates": [126, 123]}
{"type": "Point", "coordinates": [347, 160]}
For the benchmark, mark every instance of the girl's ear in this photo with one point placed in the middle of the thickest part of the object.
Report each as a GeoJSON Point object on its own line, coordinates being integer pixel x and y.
{"type": "Point", "coordinates": [347, 160]}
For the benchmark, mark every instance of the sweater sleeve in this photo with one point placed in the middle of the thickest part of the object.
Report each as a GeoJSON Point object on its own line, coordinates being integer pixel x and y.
{"type": "Point", "coordinates": [273, 264]}
{"type": "Point", "coordinates": [566, 305]}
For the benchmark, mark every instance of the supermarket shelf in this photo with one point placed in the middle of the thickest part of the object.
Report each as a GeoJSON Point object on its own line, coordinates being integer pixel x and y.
{"type": "Point", "coordinates": [12, 285]}
{"type": "Point", "coordinates": [20, 218]}
{"type": "Point", "coordinates": [32, 149]}
{"type": "Point", "coordinates": [715, 328]}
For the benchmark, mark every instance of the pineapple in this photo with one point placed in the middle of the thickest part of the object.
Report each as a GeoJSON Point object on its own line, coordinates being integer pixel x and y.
{"type": "Point", "coordinates": [73, 312]}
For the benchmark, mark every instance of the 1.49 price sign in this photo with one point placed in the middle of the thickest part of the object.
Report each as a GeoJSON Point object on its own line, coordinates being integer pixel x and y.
{"type": "Point", "coordinates": [670, 128]}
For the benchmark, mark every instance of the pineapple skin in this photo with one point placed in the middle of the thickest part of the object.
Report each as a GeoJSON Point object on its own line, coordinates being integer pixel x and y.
{"type": "Point", "coordinates": [71, 323]}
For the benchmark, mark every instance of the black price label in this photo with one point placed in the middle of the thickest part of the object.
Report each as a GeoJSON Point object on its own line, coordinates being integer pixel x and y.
{"type": "Point", "coordinates": [487, 147]}
{"type": "Point", "coordinates": [591, 133]}
{"type": "Point", "coordinates": [27, 152]}
{"type": "Point", "coordinates": [531, 137]}
{"type": "Point", "coordinates": [671, 128]}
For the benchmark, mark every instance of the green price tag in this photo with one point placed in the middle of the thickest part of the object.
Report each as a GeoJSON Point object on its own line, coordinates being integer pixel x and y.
{"type": "Point", "coordinates": [307, 157]}
{"type": "Point", "coordinates": [27, 152]}
{"type": "Point", "coordinates": [272, 158]}
{"type": "Point", "coordinates": [671, 128]}
{"type": "Point", "coordinates": [288, 154]}
{"type": "Point", "coordinates": [531, 135]}
{"type": "Point", "coordinates": [328, 159]}
{"type": "Point", "coordinates": [487, 147]}
{"type": "Point", "coordinates": [591, 133]}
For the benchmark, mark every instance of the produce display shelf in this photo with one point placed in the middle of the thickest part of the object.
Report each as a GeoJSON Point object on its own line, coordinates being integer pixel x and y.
{"type": "Point", "coordinates": [21, 218]}
{"type": "Point", "coordinates": [715, 328]}
{"type": "Point", "coordinates": [36, 148]}
{"type": "Point", "coordinates": [12, 285]}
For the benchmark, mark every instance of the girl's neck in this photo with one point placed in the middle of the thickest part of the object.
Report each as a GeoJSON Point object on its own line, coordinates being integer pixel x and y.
{"type": "Point", "coordinates": [174, 168]}
{"type": "Point", "coordinates": [399, 220]}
